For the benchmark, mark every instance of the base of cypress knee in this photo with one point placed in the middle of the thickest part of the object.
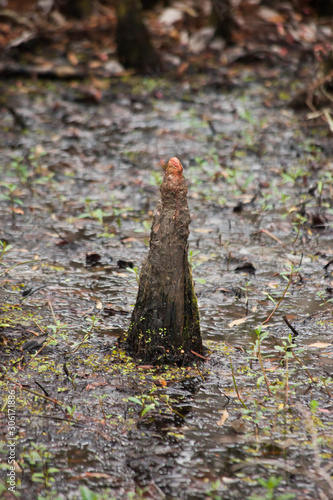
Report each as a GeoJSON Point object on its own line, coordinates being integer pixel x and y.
{"type": "Point", "coordinates": [165, 325]}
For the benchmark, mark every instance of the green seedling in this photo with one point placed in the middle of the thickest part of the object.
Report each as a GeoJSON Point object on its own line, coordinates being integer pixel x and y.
{"type": "Point", "coordinates": [212, 491]}
{"type": "Point", "coordinates": [87, 494]}
{"type": "Point", "coordinates": [11, 194]}
{"type": "Point", "coordinates": [71, 411]}
{"type": "Point", "coordinates": [146, 402]}
{"type": "Point", "coordinates": [286, 349]}
{"type": "Point", "coordinates": [294, 175]}
{"type": "Point", "coordinates": [38, 458]}
{"type": "Point", "coordinates": [261, 335]}
{"type": "Point", "coordinates": [235, 383]}
{"type": "Point", "coordinates": [4, 248]}
{"type": "Point", "coordinates": [314, 405]}
{"type": "Point", "coordinates": [325, 302]}
{"type": "Point", "coordinates": [87, 333]}
{"type": "Point", "coordinates": [21, 170]}
{"type": "Point", "coordinates": [245, 114]}
{"type": "Point", "coordinates": [246, 289]}
{"type": "Point", "coordinates": [135, 271]}
{"type": "Point", "coordinates": [155, 178]}
{"type": "Point", "coordinates": [97, 214]}
{"type": "Point", "coordinates": [288, 276]}
{"type": "Point", "coordinates": [271, 484]}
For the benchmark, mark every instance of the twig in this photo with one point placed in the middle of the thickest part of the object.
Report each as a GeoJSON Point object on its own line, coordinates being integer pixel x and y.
{"type": "Point", "coordinates": [50, 305]}
{"type": "Point", "coordinates": [295, 332]}
{"type": "Point", "coordinates": [285, 319]}
{"type": "Point", "coordinates": [19, 264]}
{"type": "Point", "coordinates": [41, 387]}
{"type": "Point", "coordinates": [263, 369]}
{"type": "Point", "coordinates": [35, 393]}
{"type": "Point", "coordinates": [287, 378]}
{"type": "Point", "coordinates": [87, 335]}
{"type": "Point", "coordinates": [265, 231]}
{"type": "Point", "coordinates": [302, 364]}
{"type": "Point", "coordinates": [282, 297]}
{"type": "Point", "coordinates": [314, 86]}
{"type": "Point", "coordinates": [235, 384]}
{"type": "Point", "coordinates": [324, 382]}
{"type": "Point", "coordinates": [49, 340]}
{"type": "Point", "coordinates": [48, 417]}
{"type": "Point", "coordinates": [36, 354]}
{"type": "Point", "coordinates": [199, 355]}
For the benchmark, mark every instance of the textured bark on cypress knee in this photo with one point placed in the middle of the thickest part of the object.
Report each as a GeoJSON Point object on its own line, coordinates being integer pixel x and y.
{"type": "Point", "coordinates": [165, 321]}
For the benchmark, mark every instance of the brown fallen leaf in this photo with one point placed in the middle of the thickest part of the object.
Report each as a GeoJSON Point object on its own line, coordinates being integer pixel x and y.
{"type": "Point", "coordinates": [223, 419]}
{"type": "Point", "coordinates": [94, 385]}
{"type": "Point", "coordinates": [270, 15]}
{"type": "Point", "coordinates": [320, 345]}
{"type": "Point", "coordinates": [240, 426]}
{"type": "Point", "coordinates": [89, 474]}
{"type": "Point", "coordinates": [202, 230]}
{"type": "Point", "coordinates": [73, 59]}
{"type": "Point", "coordinates": [237, 322]}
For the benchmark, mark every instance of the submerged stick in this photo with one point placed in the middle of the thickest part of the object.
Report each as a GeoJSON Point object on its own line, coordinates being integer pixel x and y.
{"type": "Point", "coordinates": [165, 321]}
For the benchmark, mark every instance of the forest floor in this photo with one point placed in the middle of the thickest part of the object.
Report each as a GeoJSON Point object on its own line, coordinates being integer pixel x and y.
{"type": "Point", "coordinates": [79, 183]}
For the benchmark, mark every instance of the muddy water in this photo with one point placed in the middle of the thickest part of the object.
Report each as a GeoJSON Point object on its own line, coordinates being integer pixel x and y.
{"type": "Point", "coordinates": [92, 176]}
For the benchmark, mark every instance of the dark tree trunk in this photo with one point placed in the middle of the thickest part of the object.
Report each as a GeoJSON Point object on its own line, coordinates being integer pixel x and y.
{"type": "Point", "coordinates": [149, 4]}
{"type": "Point", "coordinates": [79, 9]}
{"type": "Point", "coordinates": [134, 46]}
{"type": "Point", "coordinates": [223, 19]}
{"type": "Point", "coordinates": [165, 323]}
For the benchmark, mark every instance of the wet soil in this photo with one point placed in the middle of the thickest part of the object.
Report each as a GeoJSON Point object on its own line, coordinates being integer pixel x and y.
{"type": "Point", "coordinates": [79, 183]}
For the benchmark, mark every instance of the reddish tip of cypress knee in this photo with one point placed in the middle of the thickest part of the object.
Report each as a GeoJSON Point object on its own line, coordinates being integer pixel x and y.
{"type": "Point", "coordinates": [174, 166]}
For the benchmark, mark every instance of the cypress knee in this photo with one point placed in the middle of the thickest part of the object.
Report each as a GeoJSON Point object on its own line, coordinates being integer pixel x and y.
{"type": "Point", "coordinates": [165, 324]}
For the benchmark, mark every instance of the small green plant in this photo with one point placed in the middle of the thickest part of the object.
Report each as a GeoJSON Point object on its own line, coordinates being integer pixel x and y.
{"type": "Point", "coordinates": [147, 403]}
{"type": "Point", "coordinates": [294, 175]}
{"type": "Point", "coordinates": [193, 265]}
{"type": "Point", "coordinates": [246, 289]}
{"type": "Point", "coordinates": [4, 248]}
{"type": "Point", "coordinates": [52, 495]}
{"type": "Point", "coordinates": [286, 349]}
{"type": "Point", "coordinates": [235, 383]}
{"type": "Point", "coordinates": [299, 221]}
{"type": "Point", "coordinates": [320, 186]}
{"type": "Point", "coordinates": [245, 114]}
{"type": "Point", "coordinates": [212, 491]}
{"type": "Point", "coordinates": [93, 320]}
{"type": "Point", "coordinates": [11, 194]}
{"type": "Point", "coordinates": [314, 405]}
{"type": "Point", "coordinates": [138, 494]}
{"type": "Point", "coordinates": [155, 178]}
{"type": "Point", "coordinates": [271, 484]}
{"type": "Point", "coordinates": [87, 494]}
{"type": "Point", "coordinates": [38, 459]}
{"type": "Point", "coordinates": [261, 335]}
{"type": "Point", "coordinates": [71, 411]}
{"type": "Point", "coordinates": [135, 271]}
{"type": "Point", "coordinates": [97, 214]}
{"type": "Point", "coordinates": [325, 302]}
{"type": "Point", "coordinates": [288, 276]}
{"type": "Point", "coordinates": [58, 326]}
